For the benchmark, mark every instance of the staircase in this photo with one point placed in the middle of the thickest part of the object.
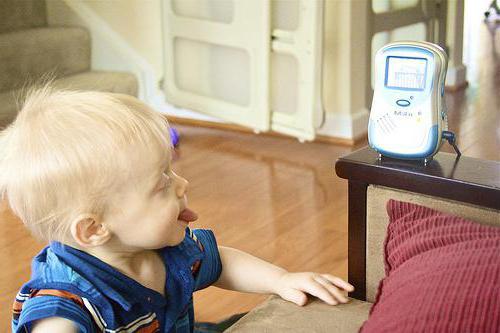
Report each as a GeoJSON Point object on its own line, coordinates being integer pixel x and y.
{"type": "Point", "coordinates": [29, 49]}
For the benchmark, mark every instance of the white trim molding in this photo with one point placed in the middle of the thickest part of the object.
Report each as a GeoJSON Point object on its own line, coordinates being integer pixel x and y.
{"type": "Point", "coordinates": [456, 76]}
{"type": "Point", "coordinates": [159, 104]}
{"type": "Point", "coordinates": [346, 125]}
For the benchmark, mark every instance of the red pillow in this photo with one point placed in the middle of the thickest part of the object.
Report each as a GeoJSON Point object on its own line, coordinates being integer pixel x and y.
{"type": "Point", "coordinates": [442, 274]}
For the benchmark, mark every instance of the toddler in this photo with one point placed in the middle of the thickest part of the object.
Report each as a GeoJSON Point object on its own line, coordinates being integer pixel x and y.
{"type": "Point", "coordinates": [91, 174]}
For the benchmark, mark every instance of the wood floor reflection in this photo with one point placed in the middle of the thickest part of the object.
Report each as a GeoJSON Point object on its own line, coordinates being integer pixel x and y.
{"type": "Point", "coordinates": [275, 197]}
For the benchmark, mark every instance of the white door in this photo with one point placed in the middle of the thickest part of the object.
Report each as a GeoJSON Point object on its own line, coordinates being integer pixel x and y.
{"type": "Point", "coordinates": [217, 58]}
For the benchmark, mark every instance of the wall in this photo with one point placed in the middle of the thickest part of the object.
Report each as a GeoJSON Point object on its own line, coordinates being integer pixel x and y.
{"type": "Point", "coordinates": [138, 22]}
{"type": "Point", "coordinates": [336, 19]}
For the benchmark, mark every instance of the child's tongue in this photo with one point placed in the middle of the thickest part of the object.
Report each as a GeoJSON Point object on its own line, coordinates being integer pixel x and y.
{"type": "Point", "coordinates": [187, 215]}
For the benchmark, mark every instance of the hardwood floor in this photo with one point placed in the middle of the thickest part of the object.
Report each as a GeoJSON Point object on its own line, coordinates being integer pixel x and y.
{"type": "Point", "coordinates": [275, 197]}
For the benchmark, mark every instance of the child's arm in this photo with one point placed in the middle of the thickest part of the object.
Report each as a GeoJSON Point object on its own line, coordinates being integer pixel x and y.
{"type": "Point", "coordinates": [54, 325]}
{"type": "Point", "coordinates": [244, 272]}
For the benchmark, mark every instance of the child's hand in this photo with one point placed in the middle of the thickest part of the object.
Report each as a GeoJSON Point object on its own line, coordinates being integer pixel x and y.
{"type": "Point", "coordinates": [331, 289]}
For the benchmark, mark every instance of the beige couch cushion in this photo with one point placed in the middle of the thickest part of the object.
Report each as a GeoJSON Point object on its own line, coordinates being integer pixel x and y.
{"type": "Point", "coordinates": [279, 316]}
{"type": "Point", "coordinates": [377, 221]}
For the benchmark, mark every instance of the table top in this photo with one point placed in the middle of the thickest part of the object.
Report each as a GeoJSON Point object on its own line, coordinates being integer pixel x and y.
{"type": "Point", "coordinates": [461, 178]}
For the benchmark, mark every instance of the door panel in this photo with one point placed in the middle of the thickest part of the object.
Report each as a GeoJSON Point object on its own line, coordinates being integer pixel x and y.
{"type": "Point", "coordinates": [217, 58]}
{"type": "Point", "coordinates": [297, 32]}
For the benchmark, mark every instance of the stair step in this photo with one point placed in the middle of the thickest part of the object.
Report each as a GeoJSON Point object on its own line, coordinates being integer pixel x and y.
{"type": "Point", "coordinates": [117, 82]}
{"type": "Point", "coordinates": [26, 55]}
{"type": "Point", "coordinates": [24, 14]}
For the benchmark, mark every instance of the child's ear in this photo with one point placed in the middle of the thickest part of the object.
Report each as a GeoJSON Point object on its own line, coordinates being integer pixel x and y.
{"type": "Point", "coordinates": [88, 231]}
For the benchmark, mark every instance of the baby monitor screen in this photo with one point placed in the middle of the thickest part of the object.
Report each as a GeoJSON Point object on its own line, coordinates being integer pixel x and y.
{"type": "Point", "coordinates": [405, 73]}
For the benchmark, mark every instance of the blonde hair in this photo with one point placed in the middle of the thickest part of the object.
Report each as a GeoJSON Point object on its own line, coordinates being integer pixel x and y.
{"type": "Point", "coordinates": [68, 151]}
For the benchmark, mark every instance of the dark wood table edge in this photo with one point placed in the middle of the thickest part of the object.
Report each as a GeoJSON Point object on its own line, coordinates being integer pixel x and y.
{"type": "Point", "coordinates": [360, 174]}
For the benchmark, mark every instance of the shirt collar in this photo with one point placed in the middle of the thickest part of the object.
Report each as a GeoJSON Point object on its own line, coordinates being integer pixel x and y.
{"type": "Point", "coordinates": [124, 290]}
{"type": "Point", "coordinates": [108, 281]}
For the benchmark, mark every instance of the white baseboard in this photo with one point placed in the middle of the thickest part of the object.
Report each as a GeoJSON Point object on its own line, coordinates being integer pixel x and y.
{"type": "Point", "coordinates": [346, 125]}
{"type": "Point", "coordinates": [456, 76]}
{"type": "Point", "coordinates": [159, 104]}
{"type": "Point", "coordinates": [340, 126]}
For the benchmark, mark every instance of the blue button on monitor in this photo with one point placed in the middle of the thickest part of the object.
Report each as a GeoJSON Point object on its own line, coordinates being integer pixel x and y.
{"type": "Point", "coordinates": [403, 102]}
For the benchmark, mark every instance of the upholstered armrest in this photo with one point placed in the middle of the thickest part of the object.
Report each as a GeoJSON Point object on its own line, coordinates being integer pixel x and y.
{"type": "Point", "coordinates": [278, 316]}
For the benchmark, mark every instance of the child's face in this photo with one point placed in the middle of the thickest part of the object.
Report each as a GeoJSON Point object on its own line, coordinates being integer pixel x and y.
{"type": "Point", "coordinates": [154, 210]}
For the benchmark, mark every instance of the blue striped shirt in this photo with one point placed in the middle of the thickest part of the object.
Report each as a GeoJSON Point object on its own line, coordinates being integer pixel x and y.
{"type": "Point", "coordinates": [72, 284]}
